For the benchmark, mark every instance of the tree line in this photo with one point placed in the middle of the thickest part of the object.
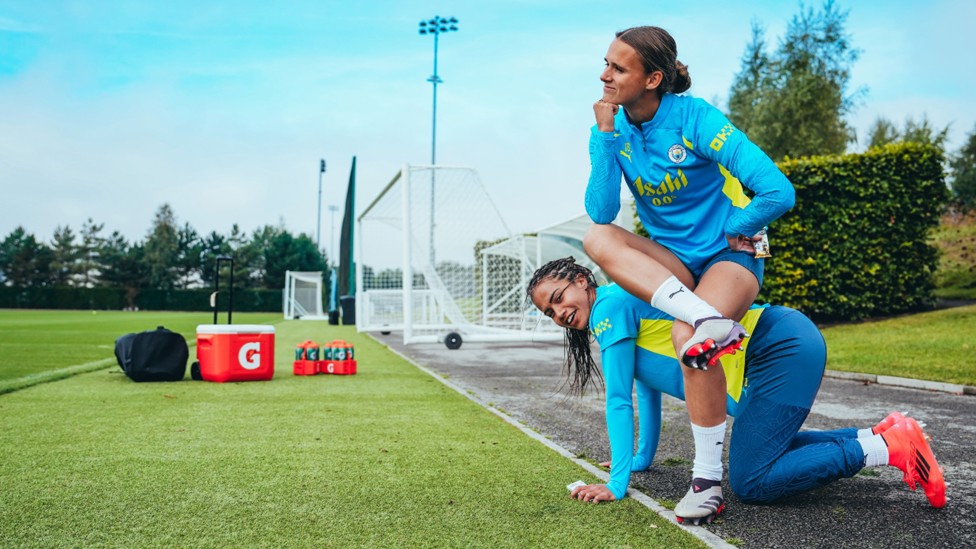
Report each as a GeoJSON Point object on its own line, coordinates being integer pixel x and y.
{"type": "Point", "coordinates": [172, 256]}
{"type": "Point", "coordinates": [794, 101]}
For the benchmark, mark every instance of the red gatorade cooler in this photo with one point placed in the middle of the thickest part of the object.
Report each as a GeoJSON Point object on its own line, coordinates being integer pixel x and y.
{"type": "Point", "coordinates": [235, 352]}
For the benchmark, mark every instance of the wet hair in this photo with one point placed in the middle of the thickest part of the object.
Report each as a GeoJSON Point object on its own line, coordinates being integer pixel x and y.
{"type": "Point", "coordinates": [579, 366]}
{"type": "Point", "coordinates": [658, 52]}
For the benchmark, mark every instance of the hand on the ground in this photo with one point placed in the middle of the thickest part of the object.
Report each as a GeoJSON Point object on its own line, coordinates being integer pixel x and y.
{"type": "Point", "coordinates": [593, 493]}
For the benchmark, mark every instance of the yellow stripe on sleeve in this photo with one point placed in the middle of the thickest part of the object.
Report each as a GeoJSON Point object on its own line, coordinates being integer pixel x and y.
{"type": "Point", "coordinates": [733, 189]}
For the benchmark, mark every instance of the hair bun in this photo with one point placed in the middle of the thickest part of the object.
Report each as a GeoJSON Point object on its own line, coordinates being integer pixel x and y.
{"type": "Point", "coordinates": [682, 80]}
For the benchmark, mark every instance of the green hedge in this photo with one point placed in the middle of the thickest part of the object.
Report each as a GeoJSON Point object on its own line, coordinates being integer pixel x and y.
{"type": "Point", "coordinates": [199, 300]}
{"type": "Point", "coordinates": [855, 245]}
{"type": "Point", "coordinates": [146, 300]}
{"type": "Point", "coordinates": [62, 298]}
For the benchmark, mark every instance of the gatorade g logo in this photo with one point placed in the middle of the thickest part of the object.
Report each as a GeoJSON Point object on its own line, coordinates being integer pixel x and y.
{"type": "Point", "coordinates": [249, 356]}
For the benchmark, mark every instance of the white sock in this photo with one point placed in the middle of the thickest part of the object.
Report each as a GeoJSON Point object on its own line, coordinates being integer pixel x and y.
{"type": "Point", "coordinates": [675, 299]}
{"type": "Point", "coordinates": [875, 451]}
{"type": "Point", "coordinates": [709, 442]}
{"type": "Point", "coordinates": [865, 433]}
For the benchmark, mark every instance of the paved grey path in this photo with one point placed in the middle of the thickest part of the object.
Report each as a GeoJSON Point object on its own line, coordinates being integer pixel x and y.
{"type": "Point", "coordinates": [870, 510]}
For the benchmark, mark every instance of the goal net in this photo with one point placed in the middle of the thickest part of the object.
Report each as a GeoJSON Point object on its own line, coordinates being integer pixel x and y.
{"type": "Point", "coordinates": [525, 253]}
{"type": "Point", "coordinates": [302, 296]}
{"type": "Point", "coordinates": [422, 268]}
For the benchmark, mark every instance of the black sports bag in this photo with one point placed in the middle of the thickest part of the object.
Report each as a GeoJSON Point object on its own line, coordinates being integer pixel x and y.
{"type": "Point", "coordinates": [153, 355]}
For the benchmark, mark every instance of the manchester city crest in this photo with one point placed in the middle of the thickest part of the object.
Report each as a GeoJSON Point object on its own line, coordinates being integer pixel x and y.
{"type": "Point", "coordinates": [677, 153]}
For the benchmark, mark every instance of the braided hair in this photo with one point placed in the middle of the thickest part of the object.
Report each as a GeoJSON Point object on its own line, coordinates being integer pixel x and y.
{"type": "Point", "coordinates": [579, 366]}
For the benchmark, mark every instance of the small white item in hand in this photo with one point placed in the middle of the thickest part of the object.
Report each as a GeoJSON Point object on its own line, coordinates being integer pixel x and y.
{"type": "Point", "coordinates": [762, 246]}
{"type": "Point", "coordinates": [576, 484]}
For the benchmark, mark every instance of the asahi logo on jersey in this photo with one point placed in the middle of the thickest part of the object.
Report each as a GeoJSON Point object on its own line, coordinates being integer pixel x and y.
{"type": "Point", "coordinates": [677, 153]}
{"type": "Point", "coordinates": [661, 194]}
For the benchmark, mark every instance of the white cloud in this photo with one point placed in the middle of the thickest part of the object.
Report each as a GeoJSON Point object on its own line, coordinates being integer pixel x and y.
{"type": "Point", "coordinates": [116, 113]}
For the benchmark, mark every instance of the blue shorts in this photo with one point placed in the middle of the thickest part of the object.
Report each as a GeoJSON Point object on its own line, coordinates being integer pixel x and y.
{"type": "Point", "coordinates": [746, 259]}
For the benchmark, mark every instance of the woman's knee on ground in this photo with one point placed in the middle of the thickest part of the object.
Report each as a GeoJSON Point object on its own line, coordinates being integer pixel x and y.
{"type": "Point", "coordinates": [748, 486]}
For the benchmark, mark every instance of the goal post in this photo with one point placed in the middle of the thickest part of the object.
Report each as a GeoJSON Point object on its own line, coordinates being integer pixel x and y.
{"type": "Point", "coordinates": [302, 295]}
{"type": "Point", "coordinates": [421, 268]}
{"type": "Point", "coordinates": [436, 261]}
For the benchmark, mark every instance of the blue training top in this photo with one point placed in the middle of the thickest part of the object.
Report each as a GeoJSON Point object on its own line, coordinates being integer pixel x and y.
{"type": "Point", "coordinates": [684, 168]}
{"type": "Point", "coordinates": [635, 345]}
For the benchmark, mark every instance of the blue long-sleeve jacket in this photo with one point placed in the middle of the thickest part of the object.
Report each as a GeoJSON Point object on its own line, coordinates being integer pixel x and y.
{"type": "Point", "coordinates": [686, 168]}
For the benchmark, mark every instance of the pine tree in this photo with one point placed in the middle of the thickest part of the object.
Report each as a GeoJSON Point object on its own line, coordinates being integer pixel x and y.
{"type": "Point", "coordinates": [794, 102]}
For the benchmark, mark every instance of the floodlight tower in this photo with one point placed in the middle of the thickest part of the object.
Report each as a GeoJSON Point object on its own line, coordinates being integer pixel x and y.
{"type": "Point", "coordinates": [318, 230]}
{"type": "Point", "coordinates": [435, 26]}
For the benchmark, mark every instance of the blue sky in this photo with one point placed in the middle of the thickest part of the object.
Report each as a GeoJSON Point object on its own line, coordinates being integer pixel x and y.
{"type": "Point", "coordinates": [223, 109]}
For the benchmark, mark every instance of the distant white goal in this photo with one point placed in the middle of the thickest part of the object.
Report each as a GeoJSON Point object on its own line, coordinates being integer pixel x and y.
{"type": "Point", "coordinates": [302, 295]}
{"type": "Point", "coordinates": [421, 267]}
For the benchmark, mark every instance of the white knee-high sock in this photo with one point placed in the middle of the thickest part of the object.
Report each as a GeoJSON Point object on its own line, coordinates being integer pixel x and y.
{"type": "Point", "coordinates": [675, 299]}
{"type": "Point", "coordinates": [875, 451]}
{"type": "Point", "coordinates": [709, 442]}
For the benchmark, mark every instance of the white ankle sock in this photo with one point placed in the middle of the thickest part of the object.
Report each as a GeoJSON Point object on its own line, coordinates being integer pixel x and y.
{"type": "Point", "coordinates": [875, 450]}
{"type": "Point", "coordinates": [675, 299]}
{"type": "Point", "coordinates": [709, 442]}
{"type": "Point", "coordinates": [865, 433]}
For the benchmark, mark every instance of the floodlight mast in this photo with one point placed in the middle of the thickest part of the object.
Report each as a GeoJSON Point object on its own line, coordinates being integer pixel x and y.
{"type": "Point", "coordinates": [318, 229]}
{"type": "Point", "coordinates": [435, 26]}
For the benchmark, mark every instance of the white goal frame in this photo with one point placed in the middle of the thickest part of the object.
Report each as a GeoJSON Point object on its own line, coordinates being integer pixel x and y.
{"type": "Point", "coordinates": [302, 295]}
{"type": "Point", "coordinates": [460, 274]}
{"type": "Point", "coordinates": [433, 296]}
{"type": "Point", "coordinates": [527, 252]}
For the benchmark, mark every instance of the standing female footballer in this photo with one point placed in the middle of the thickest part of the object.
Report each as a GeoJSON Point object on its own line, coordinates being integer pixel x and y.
{"type": "Point", "coordinates": [783, 361]}
{"type": "Point", "coordinates": [686, 165]}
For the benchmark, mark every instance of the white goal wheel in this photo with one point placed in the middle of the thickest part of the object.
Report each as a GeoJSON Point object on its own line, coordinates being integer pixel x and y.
{"type": "Point", "coordinates": [453, 340]}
